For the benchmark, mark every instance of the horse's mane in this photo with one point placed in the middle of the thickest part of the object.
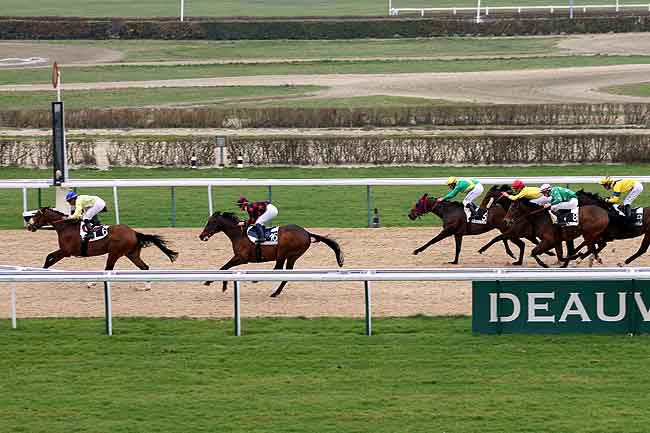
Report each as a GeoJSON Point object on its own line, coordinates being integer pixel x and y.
{"type": "Point", "coordinates": [600, 201]}
{"type": "Point", "coordinates": [229, 216]}
{"type": "Point", "coordinates": [502, 188]}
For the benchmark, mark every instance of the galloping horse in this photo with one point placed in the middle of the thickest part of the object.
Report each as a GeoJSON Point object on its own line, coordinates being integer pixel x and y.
{"type": "Point", "coordinates": [619, 226]}
{"type": "Point", "coordinates": [121, 240]}
{"type": "Point", "coordinates": [592, 224]}
{"type": "Point", "coordinates": [513, 233]}
{"type": "Point", "coordinates": [293, 241]}
{"type": "Point", "coordinates": [454, 222]}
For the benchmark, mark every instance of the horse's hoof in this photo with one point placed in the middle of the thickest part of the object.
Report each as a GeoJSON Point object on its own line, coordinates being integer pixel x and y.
{"type": "Point", "coordinates": [599, 260]}
{"type": "Point", "coordinates": [481, 251]}
{"type": "Point", "coordinates": [517, 263]}
{"type": "Point", "coordinates": [416, 252]}
{"type": "Point", "coordinates": [452, 263]}
{"type": "Point", "coordinates": [207, 283]}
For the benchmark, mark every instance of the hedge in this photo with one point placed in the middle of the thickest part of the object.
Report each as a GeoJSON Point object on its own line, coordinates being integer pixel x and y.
{"type": "Point", "coordinates": [471, 115]}
{"type": "Point", "coordinates": [324, 28]}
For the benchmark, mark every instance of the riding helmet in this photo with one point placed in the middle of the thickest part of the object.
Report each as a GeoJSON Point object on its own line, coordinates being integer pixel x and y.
{"type": "Point", "coordinates": [452, 180]}
{"type": "Point", "coordinates": [518, 184]}
{"type": "Point", "coordinates": [69, 196]}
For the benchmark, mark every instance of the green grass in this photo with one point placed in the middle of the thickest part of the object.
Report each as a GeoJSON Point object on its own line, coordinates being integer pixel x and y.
{"type": "Point", "coordinates": [306, 206]}
{"type": "Point", "coordinates": [295, 375]}
{"type": "Point", "coordinates": [153, 51]}
{"type": "Point", "coordinates": [349, 103]}
{"type": "Point", "coordinates": [637, 89]}
{"type": "Point", "coordinates": [140, 73]}
{"type": "Point", "coordinates": [138, 97]}
{"type": "Point", "coordinates": [149, 8]}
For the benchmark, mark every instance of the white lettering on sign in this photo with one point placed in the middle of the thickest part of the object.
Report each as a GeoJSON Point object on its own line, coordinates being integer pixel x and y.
{"type": "Point", "coordinates": [645, 313]}
{"type": "Point", "coordinates": [574, 307]}
{"type": "Point", "coordinates": [533, 307]}
{"type": "Point", "coordinates": [516, 307]}
{"type": "Point", "coordinates": [600, 307]}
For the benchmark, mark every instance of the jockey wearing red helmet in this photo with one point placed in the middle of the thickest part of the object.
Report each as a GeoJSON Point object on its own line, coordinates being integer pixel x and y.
{"type": "Point", "coordinates": [526, 192]}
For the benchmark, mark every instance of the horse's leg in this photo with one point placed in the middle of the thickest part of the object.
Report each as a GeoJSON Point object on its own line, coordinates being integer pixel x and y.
{"type": "Point", "coordinates": [110, 262]}
{"type": "Point", "coordinates": [445, 233]}
{"type": "Point", "coordinates": [522, 248]}
{"type": "Point", "coordinates": [459, 242]}
{"type": "Point", "coordinates": [135, 258]}
{"type": "Point", "coordinates": [53, 258]}
{"type": "Point", "coordinates": [290, 262]}
{"type": "Point", "coordinates": [236, 260]}
{"type": "Point", "coordinates": [645, 243]}
{"type": "Point", "coordinates": [507, 248]}
{"type": "Point", "coordinates": [498, 238]}
{"type": "Point", "coordinates": [534, 241]}
{"type": "Point", "coordinates": [541, 249]}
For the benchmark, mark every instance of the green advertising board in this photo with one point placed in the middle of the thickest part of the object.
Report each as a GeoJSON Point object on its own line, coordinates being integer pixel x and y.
{"type": "Point", "coordinates": [561, 307]}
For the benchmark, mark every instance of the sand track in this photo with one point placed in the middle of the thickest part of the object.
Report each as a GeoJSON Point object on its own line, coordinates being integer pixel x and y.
{"type": "Point", "coordinates": [364, 248]}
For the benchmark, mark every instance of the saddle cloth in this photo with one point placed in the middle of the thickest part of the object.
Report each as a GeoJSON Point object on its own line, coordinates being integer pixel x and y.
{"type": "Point", "coordinates": [270, 235]}
{"type": "Point", "coordinates": [98, 232]}
{"type": "Point", "coordinates": [568, 218]}
{"type": "Point", "coordinates": [637, 214]}
{"type": "Point", "coordinates": [480, 217]}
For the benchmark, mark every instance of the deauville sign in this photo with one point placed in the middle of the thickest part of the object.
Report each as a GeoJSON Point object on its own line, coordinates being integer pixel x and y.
{"type": "Point", "coordinates": [558, 307]}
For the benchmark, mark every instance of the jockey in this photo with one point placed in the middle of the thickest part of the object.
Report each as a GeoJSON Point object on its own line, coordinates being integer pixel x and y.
{"type": "Point", "coordinates": [632, 187]}
{"type": "Point", "coordinates": [561, 198]}
{"type": "Point", "coordinates": [85, 208]}
{"type": "Point", "coordinates": [472, 187]}
{"type": "Point", "coordinates": [531, 193]}
{"type": "Point", "coordinates": [259, 213]}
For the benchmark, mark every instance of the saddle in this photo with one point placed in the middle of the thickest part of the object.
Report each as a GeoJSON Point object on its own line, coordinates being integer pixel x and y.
{"type": "Point", "coordinates": [479, 217]}
{"type": "Point", "coordinates": [270, 235]}
{"type": "Point", "coordinates": [568, 218]}
{"type": "Point", "coordinates": [96, 232]}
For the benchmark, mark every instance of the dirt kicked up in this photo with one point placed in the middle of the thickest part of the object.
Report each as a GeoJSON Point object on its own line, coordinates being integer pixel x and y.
{"type": "Point", "coordinates": [363, 248]}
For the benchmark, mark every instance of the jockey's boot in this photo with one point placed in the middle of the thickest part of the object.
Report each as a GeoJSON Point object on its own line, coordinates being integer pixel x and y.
{"type": "Point", "coordinates": [627, 210]}
{"type": "Point", "coordinates": [88, 226]}
{"type": "Point", "coordinates": [259, 229]}
{"type": "Point", "coordinates": [472, 211]}
{"type": "Point", "coordinates": [553, 217]}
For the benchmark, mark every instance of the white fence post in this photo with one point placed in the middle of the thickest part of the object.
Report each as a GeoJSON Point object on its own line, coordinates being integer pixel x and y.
{"type": "Point", "coordinates": [237, 301]}
{"type": "Point", "coordinates": [182, 9]}
{"type": "Point", "coordinates": [117, 205]}
{"type": "Point", "coordinates": [108, 306]}
{"type": "Point", "coordinates": [210, 204]}
{"type": "Point", "coordinates": [478, 11]}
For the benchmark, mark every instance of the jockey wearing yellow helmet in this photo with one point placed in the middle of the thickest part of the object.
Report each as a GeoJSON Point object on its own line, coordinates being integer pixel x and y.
{"type": "Point", "coordinates": [471, 187]}
{"type": "Point", "coordinates": [632, 187]}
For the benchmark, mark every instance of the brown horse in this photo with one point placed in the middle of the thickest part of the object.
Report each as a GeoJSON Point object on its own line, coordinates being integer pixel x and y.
{"type": "Point", "coordinates": [454, 222]}
{"type": "Point", "coordinates": [293, 241]}
{"type": "Point", "coordinates": [513, 233]}
{"type": "Point", "coordinates": [120, 241]}
{"type": "Point", "coordinates": [619, 226]}
{"type": "Point", "coordinates": [592, 223]}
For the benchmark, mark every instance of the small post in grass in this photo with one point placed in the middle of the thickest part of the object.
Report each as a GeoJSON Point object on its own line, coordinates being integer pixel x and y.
{"type": "Point", "coordinates": [237, 310]}
{"type": "Point", "coordinates": [367, 295]}
{"type": "Point", "coordinates": [13, 306]}
{"type": "Point", "coordinates": [108, 306]}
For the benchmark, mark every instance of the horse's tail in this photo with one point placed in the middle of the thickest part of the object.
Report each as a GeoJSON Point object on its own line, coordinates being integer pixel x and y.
{"type": "Point", "coordinates": [332, 244]}
{"type": "Point", "coordinates": [147, 240]}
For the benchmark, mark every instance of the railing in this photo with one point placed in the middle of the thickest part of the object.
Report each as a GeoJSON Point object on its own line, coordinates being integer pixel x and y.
{"type": "Point", "coordinates": [28, 275]}
{"type": "Point", "coordinates": [478, 9]}
{"type": "Point", "coordinates": [270, 183]}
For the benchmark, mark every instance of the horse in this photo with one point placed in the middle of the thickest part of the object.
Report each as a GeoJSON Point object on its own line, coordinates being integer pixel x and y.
{"type": "Point", "coordinates": [121, 241]}
{"type": "Point", "coordinates": [293, 241]}
{"type": "Point", "coordinates": [454, 222]}
{"type": "Point", "coordinates": [592, 224]}
{"type": "Point", "coordinates": [513, 233]}
{"type": "Point", "coordinates": [619, 226]}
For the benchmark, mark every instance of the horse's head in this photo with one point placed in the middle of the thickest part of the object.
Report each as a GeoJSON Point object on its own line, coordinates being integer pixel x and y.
{"type": "Point", "coordinates": [43, 217]}
{"type": "Point", "coordinates": [422, 206]}
{"type": "Point", "coordinates": [514, 212]}
{"type": "Point", "coordinates": [494, 194]}
{"type": "Point", "coordinates": [218, 222]}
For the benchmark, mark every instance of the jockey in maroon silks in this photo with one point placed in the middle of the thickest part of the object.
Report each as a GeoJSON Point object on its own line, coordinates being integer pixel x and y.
{"type": "Point", "coordinates": [259, 213]}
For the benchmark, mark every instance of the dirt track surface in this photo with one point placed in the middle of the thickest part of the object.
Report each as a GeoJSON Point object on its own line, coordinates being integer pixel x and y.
{"type": "Point", "coordinates": [506, 87]}
{"type": "Point", "coordinates": [543, 86]}
{"type": "Point", "coordinates": [364, 248]}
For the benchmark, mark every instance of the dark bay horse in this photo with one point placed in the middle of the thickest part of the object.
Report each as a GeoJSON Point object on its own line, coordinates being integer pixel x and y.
{"type": "Point", "coordinates": [293, 241]}
{"type": "Point", "coordinates": [513, 232]}
{"type": "Point", "coordinates": [592, 223]}
{"type": "Point", "coordinates": [619, 226]}
{"type": "Point", "coordinates": [121, 241]}
{"type": "Point", "coordinates": [454, 222]}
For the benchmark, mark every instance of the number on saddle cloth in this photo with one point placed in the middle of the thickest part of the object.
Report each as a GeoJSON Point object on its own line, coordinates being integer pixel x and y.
{"type": "Point", "coordinates": [97, 232]}
{"type": "Point", "coordinates": [637, 214]}
{"type": "Point", "coordinates": [270, 235]}
{"type": "Point", "coordinates": [568, 217]}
